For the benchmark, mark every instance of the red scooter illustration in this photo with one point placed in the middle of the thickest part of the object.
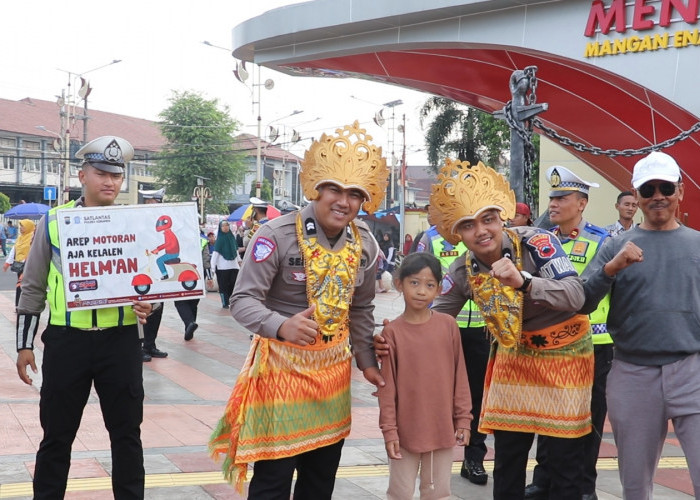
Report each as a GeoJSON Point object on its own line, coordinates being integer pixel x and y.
{"type": "Point", "coordinates": [184, 272]}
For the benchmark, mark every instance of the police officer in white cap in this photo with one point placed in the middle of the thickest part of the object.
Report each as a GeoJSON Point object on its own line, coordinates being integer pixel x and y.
{"type": "Point", "coordinates": [581, 240]}
{"type": "Point", "coordinates": [152, 196]}
{"type": "Point", "coordinates": [150, 331]}
{"type": "Point", "coordinates": [82, 348]}
{"type": "Point", "coordinates": [258, 217]}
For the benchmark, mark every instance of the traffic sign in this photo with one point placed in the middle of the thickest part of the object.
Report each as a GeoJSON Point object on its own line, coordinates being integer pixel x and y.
{"type": "Point", "coordinates": [50, 193]}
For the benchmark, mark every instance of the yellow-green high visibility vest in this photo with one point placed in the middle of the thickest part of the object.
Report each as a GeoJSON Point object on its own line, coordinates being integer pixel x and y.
{"type": "Point", "coordinates": [107, 317]}
{"type": "Point", "coordinates": [581, 250]}
{"type": "Point", "coordinates": [470, 315]}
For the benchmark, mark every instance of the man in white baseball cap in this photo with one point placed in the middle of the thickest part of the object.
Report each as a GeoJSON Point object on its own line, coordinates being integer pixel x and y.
{"type": "Point", "coordinates": [652, 275]}
{"type": "Point", "coordinates": [655, 166]}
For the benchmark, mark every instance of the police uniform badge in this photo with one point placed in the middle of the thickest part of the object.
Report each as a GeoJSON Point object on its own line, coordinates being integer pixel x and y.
{"type": "Point", "coordinates": [262, 249]}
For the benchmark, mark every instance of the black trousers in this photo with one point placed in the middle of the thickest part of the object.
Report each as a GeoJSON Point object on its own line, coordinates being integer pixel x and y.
{"type": "Point", "coordinates": [510, 465]}
{"type": "Point", "coordinates": [476, 346]}
{"type": "Point", "coordinates": [316, 470]}
{"type": "Point", "coordinates": [150, 329]}
{"type": "Point", "coordinates": [187, 310]}
{"type": "Point", "coordinates": [226, 278]}
{"type": "Point", "coordinates": [603, 356]}
{"type": "Point", "coordinates": [73, 361]}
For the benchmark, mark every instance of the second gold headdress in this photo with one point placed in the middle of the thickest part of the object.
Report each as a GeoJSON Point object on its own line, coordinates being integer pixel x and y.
{"type": "Point", "coordinates": [348, 160]}
{"type": "Point", "coordinates": [463, 191]}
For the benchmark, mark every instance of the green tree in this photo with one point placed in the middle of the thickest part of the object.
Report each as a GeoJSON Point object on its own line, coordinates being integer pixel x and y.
{"type": "Point", "coordinates": [4, 203]}
{"type": "Point", "coordinates": [200, 143]}
{"type": "Point", "coordinates": [461, 131]}
{"type": "Point", "coordinates": [467, 133]}
{"type": "Point", "coordinates": [265, 190]}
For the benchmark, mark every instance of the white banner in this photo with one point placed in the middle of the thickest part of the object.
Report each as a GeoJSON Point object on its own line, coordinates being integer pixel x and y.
{"type": "Point", "coordinates": [113, 255]}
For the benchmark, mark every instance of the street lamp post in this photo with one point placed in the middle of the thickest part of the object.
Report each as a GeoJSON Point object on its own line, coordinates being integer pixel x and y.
{"type": "Point", "coordinates": [259, 176]}
{"type": "Point", "coordinates": [67, 103]}
{"type": "Point", "coordinates": [57, 145]}
{"type": "Point", "coordinates": [201, 193]}
{"type": "Point", "coordinates": [402, 200]}
{"type": "Point", "coordinates": [392, 105]}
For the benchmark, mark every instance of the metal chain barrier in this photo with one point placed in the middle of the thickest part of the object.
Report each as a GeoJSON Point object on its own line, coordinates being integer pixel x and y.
{"type": "Point", "coordinates": [525, 134]}
{"type": "Point", "coordinates": [579, 146]}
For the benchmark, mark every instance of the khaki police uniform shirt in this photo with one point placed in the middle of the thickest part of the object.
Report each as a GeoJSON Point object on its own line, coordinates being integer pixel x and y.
{"type": "Point", "coordinates": [549, 301]}
{"type": "Point", "coordinates": [271, 285]}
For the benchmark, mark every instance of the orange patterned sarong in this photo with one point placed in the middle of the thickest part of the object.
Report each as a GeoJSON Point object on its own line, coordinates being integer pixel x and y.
{"type": "Point", "coordinates": [543, 391]}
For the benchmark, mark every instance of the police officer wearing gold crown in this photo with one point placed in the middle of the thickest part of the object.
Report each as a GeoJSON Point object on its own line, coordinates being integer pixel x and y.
{"type": "Point", "coordinates": [305, 289]}
{"type": "Point", "coordinates": [99, 346]}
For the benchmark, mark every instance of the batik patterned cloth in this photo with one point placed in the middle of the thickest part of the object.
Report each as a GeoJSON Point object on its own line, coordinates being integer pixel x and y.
{"type": "Point", "coordinates": [543, 391]}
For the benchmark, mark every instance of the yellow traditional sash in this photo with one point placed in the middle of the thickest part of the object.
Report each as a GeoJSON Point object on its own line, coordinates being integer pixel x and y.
{"type": "Point", "coordinates": [330, 283]}
{"type": "Point", "coordinates": [501, 306]}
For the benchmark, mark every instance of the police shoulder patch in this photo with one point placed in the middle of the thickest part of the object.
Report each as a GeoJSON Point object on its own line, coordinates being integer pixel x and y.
{"type": "Point", "coordinates": [263, 248]}
{"type": "Point", "coordinates": [447, 284]}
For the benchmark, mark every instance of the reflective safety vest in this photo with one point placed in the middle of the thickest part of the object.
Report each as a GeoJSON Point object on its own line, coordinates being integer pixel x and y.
{"type": "Point", "coordinates": [581, 250]}
{"type": "Point", "coordinates": [470, 315]}
{"type": "Point", "coordinates": [86, 319]}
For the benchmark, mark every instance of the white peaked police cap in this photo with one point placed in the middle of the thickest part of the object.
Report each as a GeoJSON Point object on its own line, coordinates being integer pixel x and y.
{"type": "Point", "coordinates": [108, 153]}
{"type": "Point", "coordinates": [564, 181]}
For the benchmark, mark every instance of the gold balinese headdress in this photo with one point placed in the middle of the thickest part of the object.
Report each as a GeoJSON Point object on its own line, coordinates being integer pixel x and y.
{"type": "Point", "coordinates": [350, 165]}
{"type": "Point", "coordinates": [463, 191]}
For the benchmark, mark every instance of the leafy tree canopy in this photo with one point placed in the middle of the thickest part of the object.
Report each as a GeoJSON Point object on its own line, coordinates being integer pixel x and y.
{"type": "Point", "coordinates": [200, 137]}
{"type": "Point", "coordinates": [456, 130]}
{"type": "Point", "coordinates": [4, 203]}
{"type": "Point", "coordinates": [459, 131]}
{"type": "Point", "coordinates": [265, 190]}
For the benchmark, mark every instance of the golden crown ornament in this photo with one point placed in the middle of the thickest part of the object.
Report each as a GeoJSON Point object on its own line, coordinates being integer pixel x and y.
{"type": "Point", "coordinates": [463, 191]}
{"type": "Point", "coordinates": [349, 161]}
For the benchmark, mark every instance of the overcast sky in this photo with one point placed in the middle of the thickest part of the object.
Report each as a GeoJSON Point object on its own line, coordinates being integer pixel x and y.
{"type": "Point", "coordinates": [160, 47]}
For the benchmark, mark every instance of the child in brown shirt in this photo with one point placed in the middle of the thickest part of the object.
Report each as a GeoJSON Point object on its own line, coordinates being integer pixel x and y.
{"type": "Point", "coordinates": [425, 405]}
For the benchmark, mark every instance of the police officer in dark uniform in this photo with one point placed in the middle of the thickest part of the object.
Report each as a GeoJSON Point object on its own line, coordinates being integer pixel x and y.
{"type": "Point", "coordinates": [581, 240]}
{"type": "Point", "coordinates": [150, 331]}
{"type": "Point", "coordinates": [85, 347]}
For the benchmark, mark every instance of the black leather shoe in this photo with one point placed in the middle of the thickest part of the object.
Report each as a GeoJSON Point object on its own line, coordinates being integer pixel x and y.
{"type": "Point", "coordinates": [189, 331]}
{"type": "Point", "coordinates": [146, 356]}
{"type": "Point", "coordinates": [474, 471]}
{"type": "Point", "coordinates": [536, 492]}
{"type": "Point", "coordinates": [157, 353]}
{"type": "Point", "coordinates": [589, 496]}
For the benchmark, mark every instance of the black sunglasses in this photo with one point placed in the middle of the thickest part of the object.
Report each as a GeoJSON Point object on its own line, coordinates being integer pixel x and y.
{"type": "Point", "coordinates": [665, 188]}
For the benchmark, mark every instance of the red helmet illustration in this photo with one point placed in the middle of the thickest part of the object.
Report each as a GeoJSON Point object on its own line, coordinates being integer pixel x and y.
{"type": "Point", "coordinates": [164, 222]}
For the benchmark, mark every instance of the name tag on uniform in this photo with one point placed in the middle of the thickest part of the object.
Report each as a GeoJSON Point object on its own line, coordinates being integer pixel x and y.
{"type": "Point", "coordinates": [449, 253]}
{"type": "Point", "coordinates": [578, 252]}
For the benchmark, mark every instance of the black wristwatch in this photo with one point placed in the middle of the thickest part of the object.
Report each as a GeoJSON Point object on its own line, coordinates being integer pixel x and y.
{"type": "Point", "coordinates": [527, 279]}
